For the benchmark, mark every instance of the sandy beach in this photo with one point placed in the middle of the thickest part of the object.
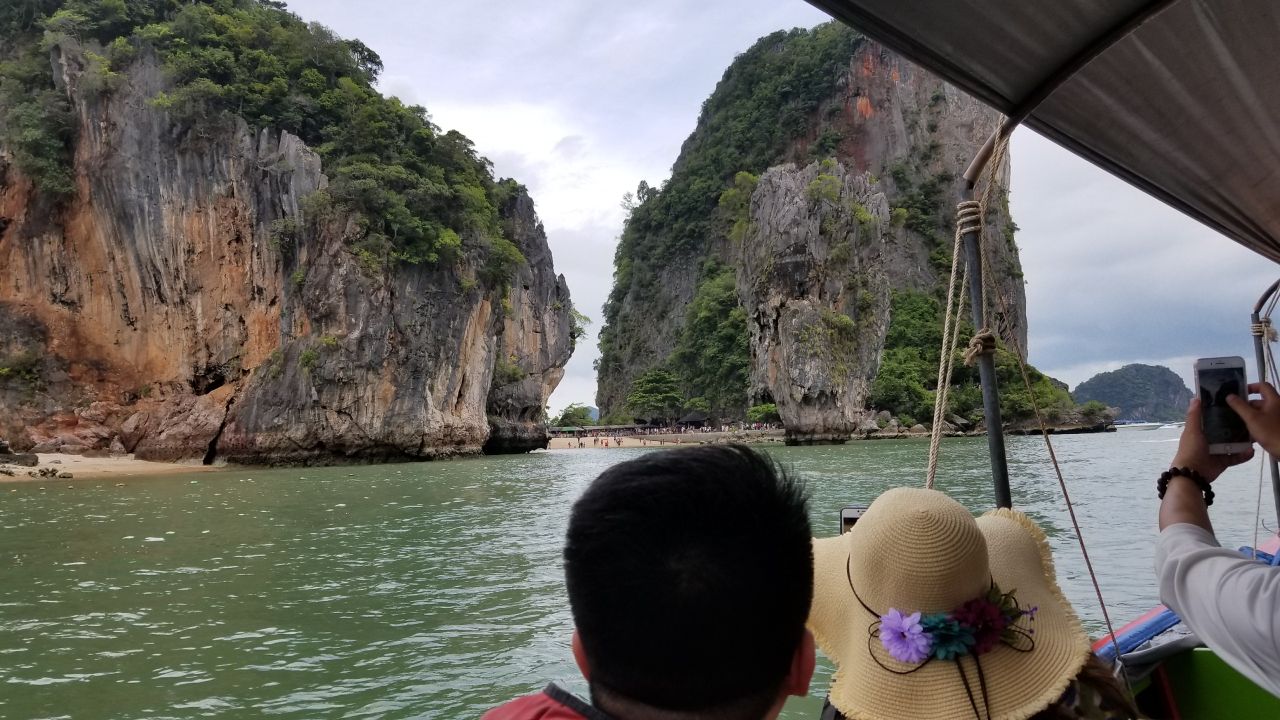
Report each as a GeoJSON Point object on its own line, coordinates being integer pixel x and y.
{"type": "Point", "coordinates": [87, 468]}
{"type": "Point", "coordinates": [99, 468]}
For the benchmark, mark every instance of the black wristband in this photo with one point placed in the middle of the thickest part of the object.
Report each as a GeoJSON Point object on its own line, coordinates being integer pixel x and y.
{"type": "Point", "coordinates": [1163, 483]}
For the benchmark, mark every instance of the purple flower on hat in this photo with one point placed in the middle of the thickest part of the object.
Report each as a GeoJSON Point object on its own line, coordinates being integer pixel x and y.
{"type": "Point", "coordinates": [904, 637]}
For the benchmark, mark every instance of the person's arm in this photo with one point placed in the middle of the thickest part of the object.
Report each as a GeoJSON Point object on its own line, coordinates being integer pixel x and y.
{"type": "Point", "coordinates": [1184, 503]}
{"type": "Point", "coordinates": [1230, 601]}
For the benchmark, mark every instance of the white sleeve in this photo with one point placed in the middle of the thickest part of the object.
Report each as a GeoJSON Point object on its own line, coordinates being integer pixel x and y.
{"type": "Point", "coordinates": [1230, 601]}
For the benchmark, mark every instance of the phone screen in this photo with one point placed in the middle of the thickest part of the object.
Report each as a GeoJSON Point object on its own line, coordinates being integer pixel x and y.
{"type": "Point", "coordinates": [849, 516]}
{"type": "Point", "coordinates": [1221, 424]}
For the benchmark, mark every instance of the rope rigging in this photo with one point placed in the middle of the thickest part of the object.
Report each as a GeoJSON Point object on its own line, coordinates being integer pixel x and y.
{"type": "Point", "coordinates": [969, 218]}
{"type": "Point", "coordinates": [1264, 331]}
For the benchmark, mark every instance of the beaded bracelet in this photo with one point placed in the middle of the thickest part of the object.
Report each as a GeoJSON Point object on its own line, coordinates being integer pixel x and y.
{"type": "Point", "coordinates": [1163, 483]}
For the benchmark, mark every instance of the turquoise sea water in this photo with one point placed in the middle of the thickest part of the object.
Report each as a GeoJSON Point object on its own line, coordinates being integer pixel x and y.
{"type": "Point", "coordinates": [434, 590]}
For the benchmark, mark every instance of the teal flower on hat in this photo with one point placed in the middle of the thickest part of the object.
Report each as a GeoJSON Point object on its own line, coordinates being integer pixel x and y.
{"type": "Point", "coordinates": [950, 638]}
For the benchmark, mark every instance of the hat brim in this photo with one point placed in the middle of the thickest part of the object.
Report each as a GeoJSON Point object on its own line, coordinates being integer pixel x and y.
{"type": "Point", "coordinates": [1019, 681]}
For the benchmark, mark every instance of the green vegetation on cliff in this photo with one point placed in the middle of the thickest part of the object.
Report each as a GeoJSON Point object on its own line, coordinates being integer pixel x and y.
{"type": "Point", "coordinates": [908, 375]}
{"type": "Point", "coordinates": [574, 415]}
{"type": "Point", "coordinates": [713, 355]}
{"type": "Point", "coordinates": [765, 100]}
{"type": "Point", "coordinates": [36, 124]}
{"type": "Point", "coordinates": [655, 395]}
{"type": "Point", "coordinates": [765, 413]}
{"type": "Point", "coordinates": [1141, 392]}
{"type": "Point", "coordinates": [417, 190]}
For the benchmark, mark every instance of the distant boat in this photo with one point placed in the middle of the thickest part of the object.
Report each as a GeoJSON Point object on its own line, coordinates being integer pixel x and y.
{"type": "Point", "coordinates": [1139, 426]}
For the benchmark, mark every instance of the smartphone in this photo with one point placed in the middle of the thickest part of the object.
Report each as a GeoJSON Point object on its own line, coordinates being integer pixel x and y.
{"type": "Point", "coordinates": [1216, 378]}
{"type": "Point", "coordinates": [849, 515]}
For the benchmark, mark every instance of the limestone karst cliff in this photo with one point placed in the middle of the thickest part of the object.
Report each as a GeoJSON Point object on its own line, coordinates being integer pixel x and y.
{"type": "Point", "coordinates": [191, 299]}
{"type": "Point", "coordinates": [824, 171]}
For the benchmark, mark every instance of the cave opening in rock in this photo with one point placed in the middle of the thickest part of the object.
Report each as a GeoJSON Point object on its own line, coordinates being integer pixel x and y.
{"type": "Point", "coordinates": [212, 451]}
{"type": "Point", "coordinates": [207, 380]}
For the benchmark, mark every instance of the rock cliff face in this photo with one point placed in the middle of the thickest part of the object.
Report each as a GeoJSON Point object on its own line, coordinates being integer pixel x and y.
{"type": "Point", "coordinates": [858, 204]}
{"type": "Point", "coordinates": [188, 305]}
{"type": "Point", "coordinates": [817, 283]}
{"type": "Point", "coordinates": [533, 339]}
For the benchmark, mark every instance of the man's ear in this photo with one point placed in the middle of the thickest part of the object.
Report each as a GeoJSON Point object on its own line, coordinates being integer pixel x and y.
{"type": "Point", "coordinates": [580, 655]}
{"type": "Point", "coordinates": [802, 664]}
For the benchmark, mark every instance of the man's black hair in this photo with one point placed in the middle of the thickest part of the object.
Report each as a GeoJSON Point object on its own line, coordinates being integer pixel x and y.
{"type": "Point", "coordinates": [690, 575]}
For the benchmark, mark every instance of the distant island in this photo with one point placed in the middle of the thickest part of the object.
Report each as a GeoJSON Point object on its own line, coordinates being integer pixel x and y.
{"type": "Point", "coordinates": [1148, 393]}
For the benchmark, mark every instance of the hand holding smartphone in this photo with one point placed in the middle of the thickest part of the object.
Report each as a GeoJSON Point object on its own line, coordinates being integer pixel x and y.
{"type": "Point", "coordinates": [1216, 378]}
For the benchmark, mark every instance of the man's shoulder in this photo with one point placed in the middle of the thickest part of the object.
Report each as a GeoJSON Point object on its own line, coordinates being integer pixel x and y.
{"type": "Point", "coordinates": [552, 703]}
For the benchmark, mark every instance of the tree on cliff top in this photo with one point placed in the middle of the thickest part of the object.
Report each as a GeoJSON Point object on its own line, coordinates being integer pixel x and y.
{"type": "Point", "coordinates": [1141, 392]}
{"type": "Point", "coordinates": [575, 415]}
{"type": "Point", "coordinates": [655, 395]}
{"type": "Point", "coordinates": [419, 192]}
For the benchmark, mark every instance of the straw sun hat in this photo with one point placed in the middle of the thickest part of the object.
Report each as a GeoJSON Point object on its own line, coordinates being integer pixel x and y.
{"type": "Point", "coordinates": [995, 638]}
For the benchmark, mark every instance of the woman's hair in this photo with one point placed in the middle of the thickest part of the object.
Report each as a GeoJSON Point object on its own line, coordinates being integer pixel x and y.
{"type": "Point", "coordinates": [1096, 677]}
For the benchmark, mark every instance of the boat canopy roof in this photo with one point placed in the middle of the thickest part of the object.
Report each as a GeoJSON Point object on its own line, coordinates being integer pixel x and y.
{"type": "Point", "coordinates": [1178, 97]}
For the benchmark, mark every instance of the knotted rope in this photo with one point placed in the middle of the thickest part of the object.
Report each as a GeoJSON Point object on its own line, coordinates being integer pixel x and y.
{"type": "Point", "coordinates": [969, 218]}
{"type": "Point", "coordinates": [1263, 330]}
{"type": "Point", "coordinates": [982, 343]}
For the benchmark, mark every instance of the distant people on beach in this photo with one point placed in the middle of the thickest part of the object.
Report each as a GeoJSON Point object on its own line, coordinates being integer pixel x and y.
{"type": "Point", "coordinates": [681, 609]}
{"type": "Point", "coordinates": [645, 436]}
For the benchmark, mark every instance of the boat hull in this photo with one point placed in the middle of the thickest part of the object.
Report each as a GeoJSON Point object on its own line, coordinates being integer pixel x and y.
{"type": "Point", "coordinates": [1174, 677]}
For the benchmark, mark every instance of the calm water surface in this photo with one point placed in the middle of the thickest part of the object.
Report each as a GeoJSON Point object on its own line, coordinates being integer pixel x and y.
{"type": "Point", "coordinates": [434, 590]}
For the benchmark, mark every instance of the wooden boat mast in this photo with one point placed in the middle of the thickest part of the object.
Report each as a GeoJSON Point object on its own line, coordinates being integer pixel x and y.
{"type": "Point", "coordinates": [986, 361]}
{"type": "Point", "coordinates": [1261, 331]}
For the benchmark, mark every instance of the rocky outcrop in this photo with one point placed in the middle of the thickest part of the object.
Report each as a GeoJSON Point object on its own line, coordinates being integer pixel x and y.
{"type": "Point", "coordinates": [533, 341]}
{"type": "Point", "coordinates": [191, 287]}
{"type": "Point", "coordinates": [817, 285]}
{"type": "Point", "coordinates": [859, 204]}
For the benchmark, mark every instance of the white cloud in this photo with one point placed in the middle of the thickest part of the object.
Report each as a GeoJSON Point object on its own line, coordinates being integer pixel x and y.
{"type": "Point", "coordinates": [1114, 276]}
{"type": "Point", "coordinates": [574, 180]}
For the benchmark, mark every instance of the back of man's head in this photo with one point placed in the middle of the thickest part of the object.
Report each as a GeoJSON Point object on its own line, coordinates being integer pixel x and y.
{"type": "Point", "coordinates": [690, 577]}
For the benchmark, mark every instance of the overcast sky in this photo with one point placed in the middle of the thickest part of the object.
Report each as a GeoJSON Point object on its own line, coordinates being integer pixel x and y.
{"type": "Point", "coordinates": [580, 100]}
